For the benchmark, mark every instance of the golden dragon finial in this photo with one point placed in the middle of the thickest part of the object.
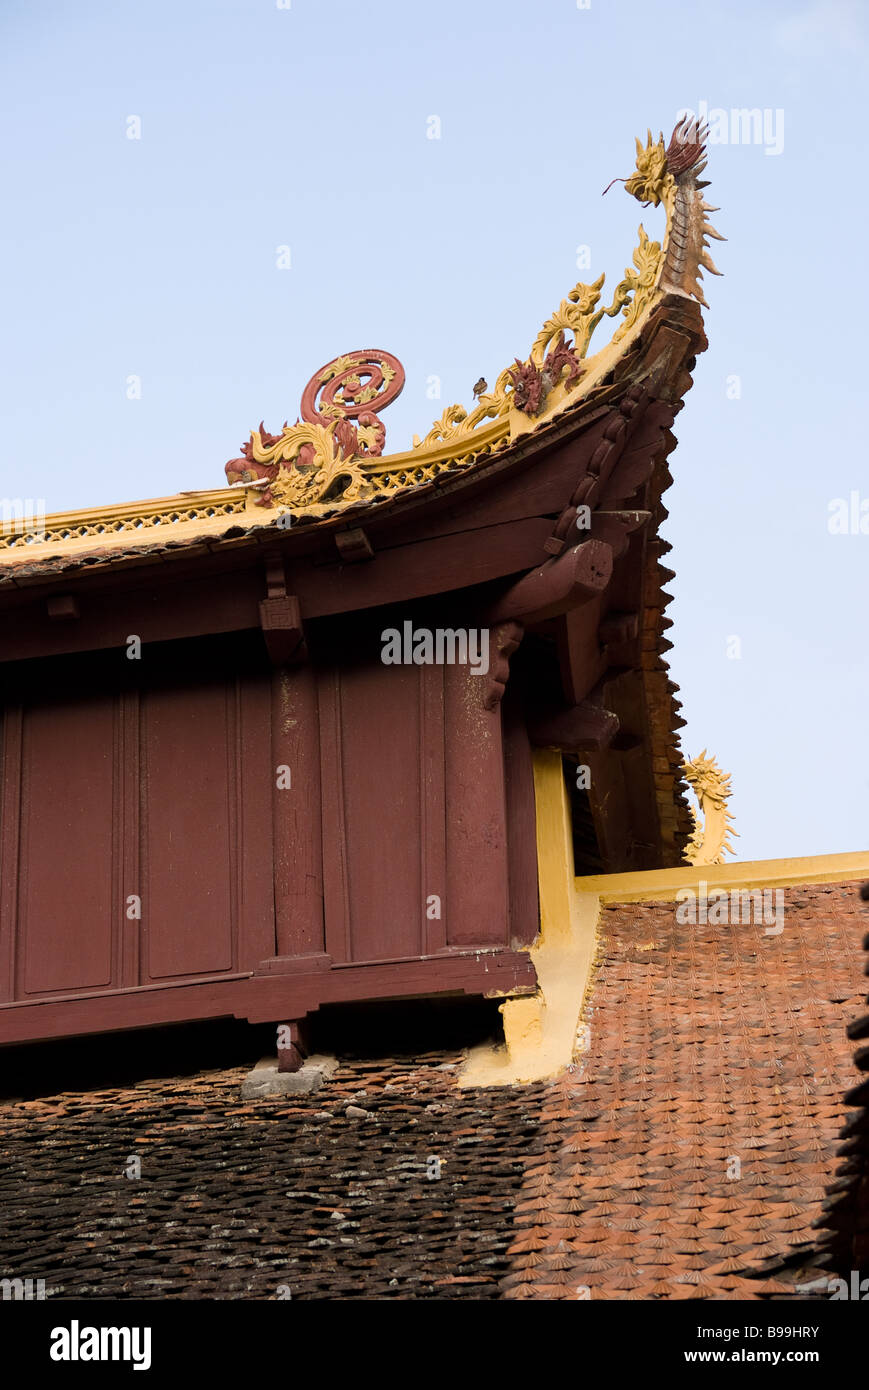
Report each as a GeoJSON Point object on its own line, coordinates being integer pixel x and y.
{"type": "Point", "coordinates": [710, 841]}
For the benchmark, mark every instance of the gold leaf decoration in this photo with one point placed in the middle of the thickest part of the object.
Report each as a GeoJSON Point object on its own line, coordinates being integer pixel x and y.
{"type": "Point", "coordinates": [579, 314]}
{"type": "Point", "coordinates": [651, 181]}
{"type": "Point", "coordinates": [340, 364]}
{"type": "Point", "coordinates": [557, 373]}
{"type": "Point", "coordinates": [310, 483]}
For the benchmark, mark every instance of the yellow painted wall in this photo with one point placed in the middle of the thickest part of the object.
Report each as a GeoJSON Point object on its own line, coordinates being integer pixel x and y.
{"type": "Point", "coordinates": [540, 1032]}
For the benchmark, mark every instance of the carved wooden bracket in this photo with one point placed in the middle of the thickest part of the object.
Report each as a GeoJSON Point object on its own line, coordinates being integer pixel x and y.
{"type": "Point", "coordinates": [666, 352]}
{"type": "Point", "coordinates": [62, 606]}
{"type": "Point", "coordinates": [354, 545]}
{"type": "Point", "coordinates": [280, 614]}
{"type": "Point", "coordinates": [600, 465]}
{"type": "Point", "coordinates": [281, 621]}
{"type": "Point", "coordinates": [504, 638]}
{"type": "Point", "coordinates": [582, 574]}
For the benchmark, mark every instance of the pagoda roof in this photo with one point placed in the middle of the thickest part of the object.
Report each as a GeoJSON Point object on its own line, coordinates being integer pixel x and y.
{"type": "Point", "coordinates": [567, 450]}
{"type": "Point", "coordinates": [325, 473]}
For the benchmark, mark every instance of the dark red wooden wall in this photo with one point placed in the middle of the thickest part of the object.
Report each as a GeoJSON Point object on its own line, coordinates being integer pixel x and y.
{"type": "Point", "coordinates": [156, 781]}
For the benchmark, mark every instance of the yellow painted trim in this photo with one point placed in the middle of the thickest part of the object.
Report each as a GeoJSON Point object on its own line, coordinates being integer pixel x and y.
{"type": "Point", "coordinates": [145, 506]}
{"type": "Point", "coordinates": [128, 524]}
{"type": "Point", "coordinates": [540, 1031]}
{"type": "Point", "coordinates": [150, 522]}
{"type": "Point", "coordinates": [554, 848]}
{"type": "Point", "coordinates": [662, 884]}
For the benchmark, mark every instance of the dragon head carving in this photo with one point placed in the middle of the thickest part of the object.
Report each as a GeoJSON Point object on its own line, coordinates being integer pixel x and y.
{"type": "Point", "coordinates": [658, 167]}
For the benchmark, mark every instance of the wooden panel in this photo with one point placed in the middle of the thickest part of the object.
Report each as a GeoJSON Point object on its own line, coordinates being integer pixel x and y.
{"type": "Point", "coordinates": [69, 913]}
{"type": "Point", "coordinates": [189, 908]}
{"type": "Point", "coordinates": [298, 868]}
{"type": "Point", "coordinates": [380, 733]}
{"type": "Point", "coordinates": [476, 822]}
{"type": "Point", "coordinates": [254, 847]}
{"type": "Point", "coordinates": [370, 752]}
{"type": "Point", "coordinates": [128, 831]}
{"type": "Point", "coordinates": [10, 796]}
{"type": "Point", "coordinates": [432, 806]}
{"type": "Point", "coordinates": [336, 900]}
{"type": "Point", "coordinates": [528, 491]}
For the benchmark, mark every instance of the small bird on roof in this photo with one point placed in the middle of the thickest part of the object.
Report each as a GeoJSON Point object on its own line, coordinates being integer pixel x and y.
{"type": "Point", "coordinates": [481, 386]}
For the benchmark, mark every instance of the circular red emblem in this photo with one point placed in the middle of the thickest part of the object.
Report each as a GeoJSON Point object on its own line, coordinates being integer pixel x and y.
{"type": "Point", "coordinates": [353, 385]}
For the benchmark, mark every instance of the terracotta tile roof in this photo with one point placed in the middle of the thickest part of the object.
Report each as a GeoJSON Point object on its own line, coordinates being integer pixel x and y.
{"type": "Point", "coordinates": [713, 1050]}
{"type": "Point", "coordinates": [846, 1210]}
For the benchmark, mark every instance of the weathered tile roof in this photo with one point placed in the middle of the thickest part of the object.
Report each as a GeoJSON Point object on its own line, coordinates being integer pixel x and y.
{"type": "Point", "coordinates": [685, 1154]}
{"type": "Point", "coordinates": [240, 1200]}
{"type": "Point", "coordinates": [846, 1210]}
{"type": "Point", "coordinates": [708, 1044]}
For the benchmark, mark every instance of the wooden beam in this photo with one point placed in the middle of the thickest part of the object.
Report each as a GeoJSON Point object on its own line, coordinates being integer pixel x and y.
{"type": "Point", "coordinates": [581, 660]}
{"type": "Point", "coordinates": [614, 527]}
{"type": "Point", "coordinates": [270, 998]}
{"type": "Point", "coordinates": [618, 628]}
{"type": "Point", "coordinates": [609, 807]}
{"type": "Point", "coordinates": [158, 609]}
{"type": "Point", "coordinates": [424, 568]}
{"type": "Point", "coordinates": [582, 574]}
{"type": "Point", "coordinates": [585, 728]}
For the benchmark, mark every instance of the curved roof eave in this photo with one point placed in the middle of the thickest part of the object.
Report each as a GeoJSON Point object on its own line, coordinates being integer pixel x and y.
{"type": "Point", "coordinates": [556, 389]}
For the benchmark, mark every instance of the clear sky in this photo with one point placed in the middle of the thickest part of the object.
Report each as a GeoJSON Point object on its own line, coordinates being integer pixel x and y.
{"type": "Point", "coordinates": [305, 125]}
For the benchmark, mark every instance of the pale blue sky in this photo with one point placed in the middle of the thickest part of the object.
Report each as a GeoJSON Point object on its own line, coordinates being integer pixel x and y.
{"type": "Point", "coordinates": [306, 127]}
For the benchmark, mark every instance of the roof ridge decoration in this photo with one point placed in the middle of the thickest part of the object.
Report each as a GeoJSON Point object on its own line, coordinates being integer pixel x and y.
{"type": "Point", "coordinates": [332, 458]}
{"type": "Point", "coordinates": [325, 447]}
{"type": "Point", "coordinates": [322, 462]}
{"type": "Point", "coordinates": [711, 786]}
